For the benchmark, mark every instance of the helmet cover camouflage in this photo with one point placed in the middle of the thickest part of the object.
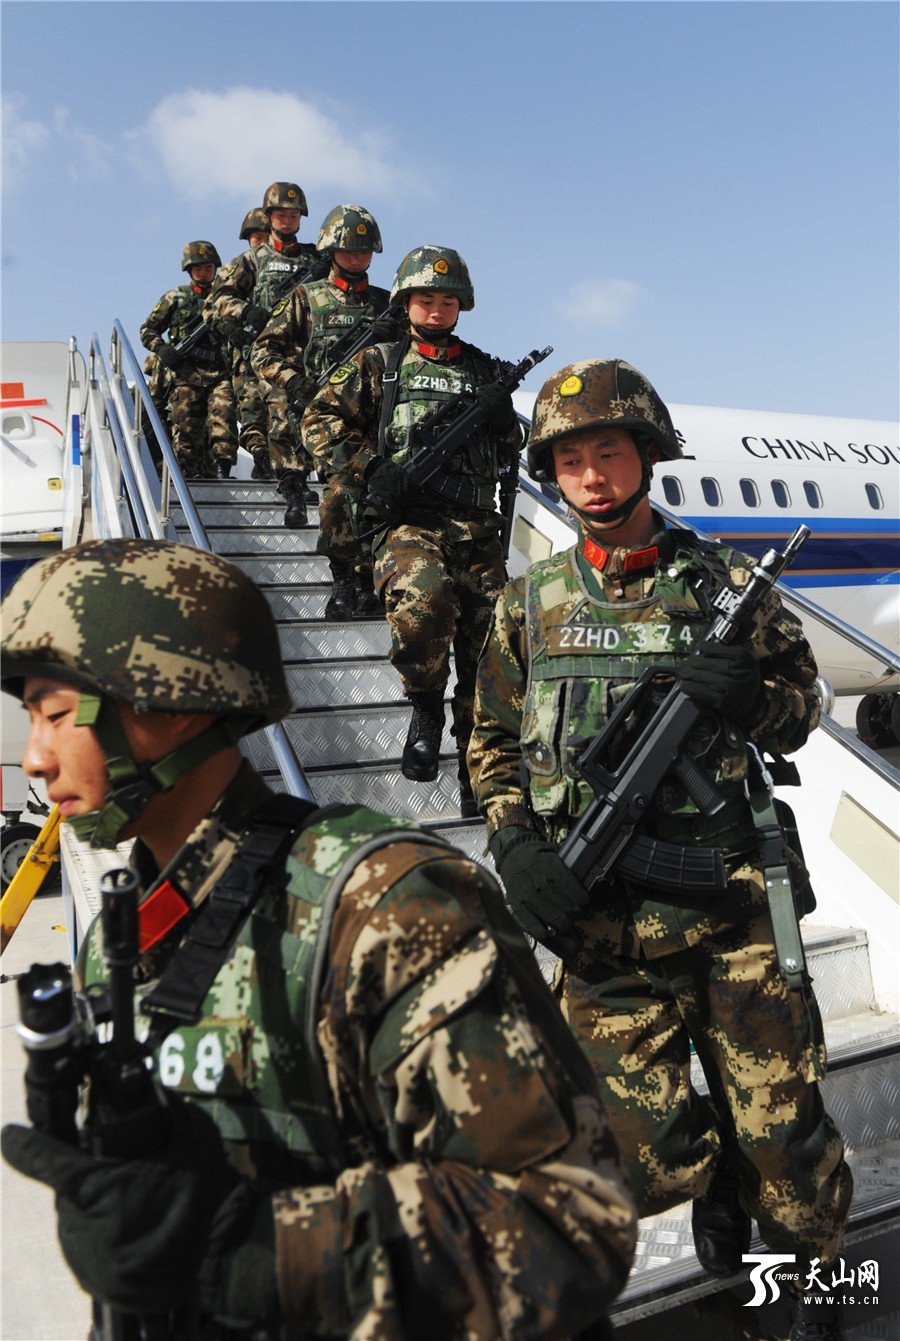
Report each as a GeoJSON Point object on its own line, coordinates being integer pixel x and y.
{"type": "Point", "coordinates": [592, 394]}
{"type": "Point", "coordinates": [199, 253]}
{"type": "Point", "coordinates": [438, 268]}
{"type": "Point", "coordinates": [162, 626]}
{"type": "Point", "coordinates": [255, 221]}
{"type": "Point", "coordinates": [284, 196]}
{"type": "Point", "coordinates": [349, 228]}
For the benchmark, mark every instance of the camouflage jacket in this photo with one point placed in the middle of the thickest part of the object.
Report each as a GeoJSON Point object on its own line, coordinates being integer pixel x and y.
{"type": "Point", "coordinates": [305, 327]}
{"type": "Point", "coordinates": [563, 652]}
{"type": "Point", "coordinates": [341, 423]}
{"type": "Point", "coordinates": [252, 280]}
{"type": "Point", "coordinates": [476, 1173]}
{"type": "Point", "coordinates": [176, 311]}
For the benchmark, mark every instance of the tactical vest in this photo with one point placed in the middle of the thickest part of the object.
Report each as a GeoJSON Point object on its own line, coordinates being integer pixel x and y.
{"type": "Point", "coordinates": [424, 384]}
{"type": "Point", "coordinates": [188, 305]}
{"type": "Point", "coordinates": [330, 316]}
{"type": "Point", "coordinates": [273, 266]}
{"type": "Point", "coordinates": [253, 1058]}
{"type": "Point", "coordinates": [584, 657]}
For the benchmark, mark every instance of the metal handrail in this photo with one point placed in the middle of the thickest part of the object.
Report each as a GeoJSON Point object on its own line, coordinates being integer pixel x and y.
{"type": "Point", "coordinates": [126, 397]}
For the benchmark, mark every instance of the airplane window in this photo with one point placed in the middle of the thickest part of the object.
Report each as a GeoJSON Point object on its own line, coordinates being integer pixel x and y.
{"type": "Point", "coordinates": [873, 493]}
{"type": "Point", "coordinates": [672, 490]}
{"type": "Point", "coordinates": [780, 494]}
{"type": "Point", "coordinates": [712, 494]}
{"type": "Point", "coordinates": [750, 493]}
{"type": "Point", "coordinates": [813, 495]}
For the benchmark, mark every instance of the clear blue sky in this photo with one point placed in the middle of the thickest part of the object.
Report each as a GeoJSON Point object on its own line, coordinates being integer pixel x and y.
{"type": "Point", "coordinates": [709, 190]}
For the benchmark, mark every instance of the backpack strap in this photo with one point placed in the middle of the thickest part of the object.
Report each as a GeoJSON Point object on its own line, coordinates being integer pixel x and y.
{"type": "Point", "coordinates": [178, 996]}
{"type": "Point", "coordinates": [391, 386]}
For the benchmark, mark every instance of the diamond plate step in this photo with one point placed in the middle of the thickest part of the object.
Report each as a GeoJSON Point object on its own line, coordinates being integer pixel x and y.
{"type": "Point", "coordinates": [333, 684]}
{"type": "Point", "coordinates": [245, 539]}
{"type": "Point", "coordinates": [323, 640]}
{"type": "Point", "coordinates": [839, 966]}
{"type": "Point", "coordinates": [342, 737]}
{"type": "Point", "coordinates": [275, 570]}
{"type": "Point", "coordinates": [383, 787]}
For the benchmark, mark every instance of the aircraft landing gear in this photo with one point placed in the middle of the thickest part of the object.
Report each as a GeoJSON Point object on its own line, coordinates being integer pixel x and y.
{"type": "Point", "coordinates": [878, 720]}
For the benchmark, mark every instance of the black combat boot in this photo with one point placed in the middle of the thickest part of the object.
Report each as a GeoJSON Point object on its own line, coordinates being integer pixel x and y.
{"type": "Point", "coordinates": [340, 602]}
{"type": "Point", "coordinates": [423, 740]}
{"type": "Point", "coordinates": [821, 1319]}
{"type": "Point", "coordinates": [366, 604]}
{"type": "Point", "coordinates": [291, 487]}
{"type": "Point", "coordinates": [309, 495]}
{"type": "Point", "coordinates": [468, 807]}
{"type": "Point", "coordinates": [720, 1225]}
{"type": "Point", "coordinates": [262, 465]}
{"type": "Point", "coordinates": [223, 469]}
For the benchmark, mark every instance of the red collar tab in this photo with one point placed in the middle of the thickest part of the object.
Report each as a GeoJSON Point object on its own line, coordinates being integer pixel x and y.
{"type": "Point", "coordinates": [289, 248]}
{"type": "Point", "coordinates": [201, 289]}
{"type": "Point", "coordinates": [162, 909]}
{"type": "Point", "coordinates": [641, 558]}
{"type": "Point", "coordinates": [346, 286]}
{"type": "Point", "coordinates": [442, 352]}
{"type": "Point", "coordinates": [635, 560]}
{"type": "Point", "coordinates": [596, 554]}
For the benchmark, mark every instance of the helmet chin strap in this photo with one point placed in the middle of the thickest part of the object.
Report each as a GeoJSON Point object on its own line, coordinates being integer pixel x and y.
{"type": "Point", "coordinates": [133, 785]}
{"type": "Point", "coordinates": [351, 275]}
{"type": "Point", "coordinates": [433, 335]}
{"type": "Point", "coordinates": [282, 235]}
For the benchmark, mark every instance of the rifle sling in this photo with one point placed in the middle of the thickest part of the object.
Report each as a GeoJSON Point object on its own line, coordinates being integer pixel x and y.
{"type": "Point", "coordinates": [178, 996]}
{"type": "Point", "coordinates": [390, 389]}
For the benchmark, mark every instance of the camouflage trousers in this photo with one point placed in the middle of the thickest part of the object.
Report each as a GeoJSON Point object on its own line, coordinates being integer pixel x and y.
{"type": "Point", "coordinates": [251, 406]}
{"type": "Point", "coordinates": [337, 538]}
{"type": "Point", "coordinates": [285, 443]}
{"type": "Point", "coordinates": [762, 1051]}
{"type": "Point", "coordinates": [439, 593]}
{"type": "Point", "coordinates": [204, 427]}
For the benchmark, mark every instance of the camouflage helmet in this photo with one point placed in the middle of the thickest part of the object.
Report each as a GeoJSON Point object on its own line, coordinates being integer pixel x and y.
{"type": "Point", "coordinates": [439, 268]}
{"type": "Point", "coordinates": [156, 625]}
{"type": "Point", "coordinates": [349, 228]}
{"type": "Point", "coordinates": [199, 253]}
{"type": "Point", "coordinates": [284, 196]}
{"type": "Point", "coordinates": [255, 221]}
{"type": "Point", "coordinates": [162, 626]}
{"type": "Point", "coordinates": [591, 394]}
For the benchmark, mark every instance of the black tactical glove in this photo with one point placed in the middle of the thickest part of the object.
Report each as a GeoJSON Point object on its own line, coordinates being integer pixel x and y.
{"type": "Point", "coordinates": [390, 484]}
{"type": "Point", "coordinates": [497, 406]}
{"type": "Point", "coordinates": [169, 358]}
{"type": "Point", "coordinates": [725, 678]}
{"type": "Point", "coordinates": [388, 327]}
{"type": "Point", "coordinates": [254, 318]}
{"type": "Point", "coordinates": [137, 1232]}
{"type": "Point", "coordinates": [300, 391]}
{"type": "Point", "coordinates": [542, 892]}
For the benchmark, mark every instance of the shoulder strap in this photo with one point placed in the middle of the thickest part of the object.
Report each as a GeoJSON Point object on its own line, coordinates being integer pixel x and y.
{"type": "Point", "coordinates": [390, 388]}
{"type": "Point", "coordinates": [178, 996]}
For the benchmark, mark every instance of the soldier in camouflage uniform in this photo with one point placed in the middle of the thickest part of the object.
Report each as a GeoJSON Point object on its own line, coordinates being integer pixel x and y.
{"type": "Point", "coordinates": [248, 394]}
{"type": "Point", "coordinates": [439, 564]}
{"type": "Point", "coordinates": [297, 348]}
{"type": "Point", "coordinates": [377, 1124]}
{"type": "Point", "coordinates": [201, 400]}
{"type": "Point", "coordinates": [243, 296]}
{"type": "Point", "coordinates": [648, 974]}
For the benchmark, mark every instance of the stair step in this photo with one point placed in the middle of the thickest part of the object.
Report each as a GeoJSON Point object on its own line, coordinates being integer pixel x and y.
{"type": "Point", "coordinates": [323, 640]}
{"type": "Point", "coordinates": [842, 973]}
{"type": "Point", "coordinates": [383, 787]}
{"type": "Point", "coordinates": [342, 738]}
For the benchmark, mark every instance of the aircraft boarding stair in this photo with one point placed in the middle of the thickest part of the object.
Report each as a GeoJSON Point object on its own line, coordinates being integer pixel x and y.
{"type": "Point", "coordinates": [351, 718]}
{"type": "Point", "coordinates": [347, 732]}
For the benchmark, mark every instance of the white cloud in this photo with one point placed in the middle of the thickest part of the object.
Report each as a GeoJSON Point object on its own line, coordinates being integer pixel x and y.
{"type": "Point", "coordinates": [21, 139]}
{"type": "Point", "coordinates": [91, 156]}
{"type": "Point", "coordinates": [601, 302]}
{"type": "Point", "coordinates": [238, 140]}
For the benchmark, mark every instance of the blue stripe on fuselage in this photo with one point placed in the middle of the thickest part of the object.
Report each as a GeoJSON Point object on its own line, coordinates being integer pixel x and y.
{"type": "Point", "coordinates": [841, 552]}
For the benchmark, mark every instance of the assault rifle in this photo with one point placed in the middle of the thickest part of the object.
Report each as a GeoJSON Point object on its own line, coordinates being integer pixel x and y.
{"type": "Point", "coordinates": [603, 839]}
{"type": "Point", "coordinates": [199, 343]}
{"type": "Point", "coordinates": [442, 434]}
{"type": "Point", "coordinates": [346, 347]}
{"type": "Point", "coordinates": [126, 1112]}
